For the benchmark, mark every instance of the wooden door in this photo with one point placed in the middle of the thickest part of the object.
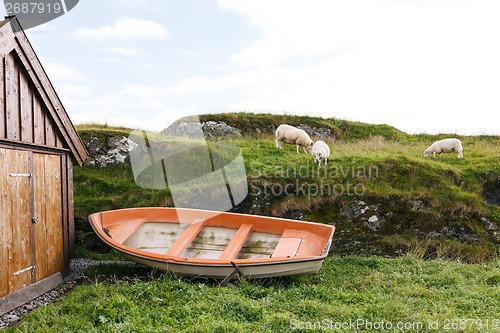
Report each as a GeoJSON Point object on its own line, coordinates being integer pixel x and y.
{"type": "Point", "coordinates": [47, 190]}
{"type": "Point", "coordinates": [16, 268]}
{"type": "Point", "coordinates": [31, 231]}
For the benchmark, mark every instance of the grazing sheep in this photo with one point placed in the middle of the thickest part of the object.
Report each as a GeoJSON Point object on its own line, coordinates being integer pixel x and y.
{"type": "Point", "coordinates": [293, 135]}
{"type": "Point", "coordinates": [445, 146]}
{"type": "Point", "coordinates": [320, 151]}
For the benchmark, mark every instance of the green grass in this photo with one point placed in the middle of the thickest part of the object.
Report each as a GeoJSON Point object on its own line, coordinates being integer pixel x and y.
{"type": "Point", "coordinates": [406, 290]}
{"type": "Point", "coordinates": [462, 282]}
{"type": "Point", "coordinates": [386, 164]}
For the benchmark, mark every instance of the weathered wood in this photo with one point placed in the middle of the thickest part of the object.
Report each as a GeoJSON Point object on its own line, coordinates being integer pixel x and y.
{"type": "Point", "coordinates": [71, 211]}
{"type": "Point", "coordinates": [14, 43]}
{"type": "Point", "coordinates": [57, 224]}
{"type": "Point", "coordinates": [49, 97]}
{"type": "Point", "coordinates": [4, 227]}
{"type": "Point", "coordinates": [237, 242]}
{"type": "Point", "coordinates": [37, 138]}
{"type": "Point", "coordinates": [7, 42]}
{"type": "Point", "coordinates": [32, 147]}
{"type": "Point", "coordinates": [32, 215]}
{"type": "Point", "coordinates": [50, 133]}
{"type": "Point", "coordinates": [26, 107]}
{"type": "Point", "coordinates": [59, 141]}
{"type": "Point", "coordinates": [65, 221]}
{"type": "Point", "coordinates": [3, 120]}
{"type": "Point", "coordinates": [39, 211]}
{"type": "Point", "coordinates": [38, 121]}
{"type": "Point", "coordinates": [186, 238]}
{"type": "Point", "coordinates": [19, 218]}
{"type": "Point", "coordinates": [12, 98]}
{"type": "Point", "coordinates": [20, 297]}
{"type": "Point", "coordinates": [48, 208]}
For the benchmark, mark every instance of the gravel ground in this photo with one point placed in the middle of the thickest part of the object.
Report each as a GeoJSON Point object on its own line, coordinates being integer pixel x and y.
{"type": "Point", "coordinates": [77, 266]}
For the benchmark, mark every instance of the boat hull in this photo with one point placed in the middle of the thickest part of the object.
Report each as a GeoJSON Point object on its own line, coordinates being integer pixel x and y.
{"type": "Point", "coordinates": [214, 244]}
{"type": "Point", "coordinates": [250, 271]}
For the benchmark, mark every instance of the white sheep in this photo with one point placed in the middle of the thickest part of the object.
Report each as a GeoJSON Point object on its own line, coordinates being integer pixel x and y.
{"type": "Point", "coordinates": [293, 135]}
{"type": "Point", "coordinates": [320, 151]}
{"type": "Point", "coordinates": [445, 146]}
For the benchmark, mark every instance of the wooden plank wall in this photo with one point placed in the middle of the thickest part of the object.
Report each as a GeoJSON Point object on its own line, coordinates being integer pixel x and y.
{"type": "Point", "coordinates": [23, 116]}
{"type": "Point", "coordinates": [48, 209]}
{"type": "Point", "coordinates": [4, 228]}
{"type": "Point", "coordinates": [2, 100]}
{"type": "Point", "coordinates": [15, 236]}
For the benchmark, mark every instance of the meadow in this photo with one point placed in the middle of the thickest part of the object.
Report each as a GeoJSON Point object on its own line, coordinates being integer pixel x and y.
{"type": "Point", "coordinates": [350, 294]}
{"type": "Point", "coordinates": [432, 285]}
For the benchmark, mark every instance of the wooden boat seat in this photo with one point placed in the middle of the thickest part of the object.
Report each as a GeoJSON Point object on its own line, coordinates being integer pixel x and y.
{"type": "Point", "coordinates": [233, 248]}
{"type": "Point", "coordinates": [186, 238]}
{"type": "Point", "coordinates": [120, 232]}
{"type": "Point", "coordinates": [288, 245]}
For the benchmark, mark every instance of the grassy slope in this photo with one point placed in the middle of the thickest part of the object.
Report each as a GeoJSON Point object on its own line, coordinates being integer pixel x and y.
{"type": "Point", "coordinates": [406, 289]}
{"type": "Point", "coordinates": [451, 189]}
{"type": "Point", "coordinates": [365, 291]}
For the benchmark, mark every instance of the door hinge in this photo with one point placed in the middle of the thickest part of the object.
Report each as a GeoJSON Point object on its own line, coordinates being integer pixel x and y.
{"type": "Point", "coordinates": [29, 175]}
{"type": "Point", "coordinates": [24, 270]}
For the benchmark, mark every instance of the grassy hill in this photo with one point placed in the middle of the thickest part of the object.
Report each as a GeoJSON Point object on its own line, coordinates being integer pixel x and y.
{"type": "Point", "coordinates": [441, 208]}
{"type": "Point", "coordinates": [378, 190]}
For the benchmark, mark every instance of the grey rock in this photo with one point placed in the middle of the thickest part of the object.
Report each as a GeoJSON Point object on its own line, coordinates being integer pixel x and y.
{"type": "Point", "coordinates": [207, 130]}
{"type": "Point", "coordinates": [373, 223]}
{"type": "Point", "coordinates": [113, 152]}
{"type": "Point", "coordinates": [321, 132]}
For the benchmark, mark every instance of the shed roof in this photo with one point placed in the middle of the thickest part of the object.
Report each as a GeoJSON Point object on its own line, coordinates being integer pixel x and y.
{"type": "Point", "coordinates": [13, 38]}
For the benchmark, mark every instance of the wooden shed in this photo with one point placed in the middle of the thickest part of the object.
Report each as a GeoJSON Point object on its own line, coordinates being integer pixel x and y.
{"type": "Point", "coordinates": [38, 148]}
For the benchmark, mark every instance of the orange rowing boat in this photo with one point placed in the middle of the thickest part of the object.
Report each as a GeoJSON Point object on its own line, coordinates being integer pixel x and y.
{"type": "Point", "coordinates": [214, 244]}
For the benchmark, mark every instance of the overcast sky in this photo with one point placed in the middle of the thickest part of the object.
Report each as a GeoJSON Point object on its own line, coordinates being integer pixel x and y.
{"type": "Point", "coordinates": [425, 66]}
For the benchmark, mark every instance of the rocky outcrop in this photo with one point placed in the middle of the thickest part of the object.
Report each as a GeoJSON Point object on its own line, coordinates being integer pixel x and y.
{"type": "Point", "coordinates": [387, 226]}
{"type": "Point", "coordinates": [113, 150]}
{"type": "Point", "coordinates": [211, 130]}
{"type": "Point", "coordinates": [321, 132]}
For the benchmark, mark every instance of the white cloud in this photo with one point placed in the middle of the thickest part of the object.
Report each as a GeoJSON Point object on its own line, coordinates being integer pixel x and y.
{"type": "Point", "coordinates": [419, 66]}
{"type": "Point", "coordinates": [143, 5]}
{"type": "Point", "coordinates": [125, 51]}
{"type": "Point", "coordinates": [125, 29]}
{"type": "Point", "coordinates": [61, 73]}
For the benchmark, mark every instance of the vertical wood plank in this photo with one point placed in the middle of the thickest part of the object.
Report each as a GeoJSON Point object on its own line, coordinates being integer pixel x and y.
{"type": "Point", "coordinates": [26, 108]}
{"type": "Point", "coordinates": [19, 256]}
{"type": "Point", "coordinates": [12, 97]}
{"type": "Point", "coordinates": [57, 217]}
{"type": "Point", "coordinates": [50, 132]}
{"type": "Point", "coordinates": [55, 222]}
{"type": "Point", "coordinates": [59, 142]}
{"type": "Point", "coordinates": [65, 220]}
{"type": "Point", "coordinates": [31, 214]}
{"type": "Point", "coordinates": [2, 99]}
{"type": "Point", "coordinates": [71, 211]}
{"type": "Point", "coordinates": [48, 204]}
{"type": "Point", "coordinates": [39, 211]}
{"type": "Point", "coordinates": [4, 228]}
{"type": "Point", "coordinates": [25, 219]}
{"type": "Point", "coordinates": [38, 121]}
